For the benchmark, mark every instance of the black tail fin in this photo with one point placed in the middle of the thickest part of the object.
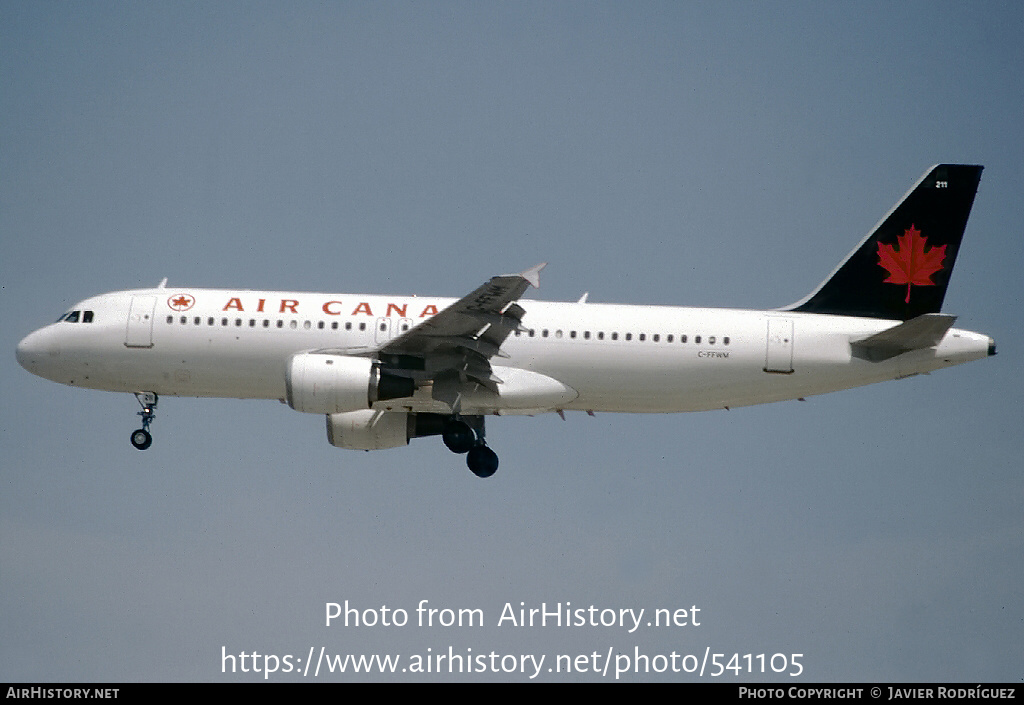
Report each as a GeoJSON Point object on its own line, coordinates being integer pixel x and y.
{"type": "Point", "coordinates": [901, 269]}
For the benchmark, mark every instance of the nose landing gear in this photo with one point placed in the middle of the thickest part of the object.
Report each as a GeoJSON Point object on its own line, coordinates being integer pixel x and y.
{"type": "Point", "coordinates": [142, 438]}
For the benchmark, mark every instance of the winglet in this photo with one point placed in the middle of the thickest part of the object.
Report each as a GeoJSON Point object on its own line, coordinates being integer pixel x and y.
{"type": "Point", "coordinates": [532, 274]}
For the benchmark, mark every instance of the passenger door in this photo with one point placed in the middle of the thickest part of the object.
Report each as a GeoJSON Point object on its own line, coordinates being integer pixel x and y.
{"type": "Point", "coordinates": [139, 333]}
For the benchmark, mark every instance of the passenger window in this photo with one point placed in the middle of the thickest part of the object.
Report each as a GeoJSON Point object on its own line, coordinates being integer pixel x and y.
{"type": "Point", "coordinates": [334, 325]}
{"type": "Point", "coordinates": [184, 320]}
{"type": "Point", "coordinates": [682, 338]}
{"type": "Point", "coordinates": [600, 335]}
{"type": "Point", "coordinates": [209, 321]}
{"type": "Point", "coordinates": [238, 322]}
{"type": "Point", "coordinates": [197, 320]}
{"type": "Point", "coordinates": [629, 336]}
{"type": "Point", "coordinates": [668, 338]}
{"type": "Point", "coordinates": [223, 321]}
{"type": "Point", "coordinates": [643, 336]}
{"type": "Point", "coordinates": [362, 326]}
{"type": "Point", "coordinates": [615, 336]}
{"type": "Point", "coordinates": [280, 323]}
{"type": "Point", "coordinates": [252, 322]}
{"type": "Point", "coordinates": [696, 339]}
{"type": "Point", "coordinates": [725, 340]}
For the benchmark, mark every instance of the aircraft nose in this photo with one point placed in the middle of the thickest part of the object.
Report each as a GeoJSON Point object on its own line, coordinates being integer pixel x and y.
{"type": "Point", "coordinates": [32, 349]}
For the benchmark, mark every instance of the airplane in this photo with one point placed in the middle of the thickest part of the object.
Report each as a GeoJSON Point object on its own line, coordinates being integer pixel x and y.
{"type": "Point", "coordinates": [385, 369]}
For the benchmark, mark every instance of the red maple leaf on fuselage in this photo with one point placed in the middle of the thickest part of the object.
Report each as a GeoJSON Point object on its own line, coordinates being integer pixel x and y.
{"type": "Point", "coordinates": [911, 264]}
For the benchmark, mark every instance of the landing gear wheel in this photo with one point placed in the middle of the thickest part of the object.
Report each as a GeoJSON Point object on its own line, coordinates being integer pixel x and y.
{"type": "Point", "coordinates": [482, 461]}
{"type": "Point", "coordinates": [142, 439]}
{"type": "Point", "coordinates": [458, 436]}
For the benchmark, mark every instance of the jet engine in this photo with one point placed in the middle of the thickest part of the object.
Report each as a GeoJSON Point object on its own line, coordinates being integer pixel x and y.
{"type": "Point", "coordinates": [370, 429]}
{"type": "Point", "coordinates": [331, 384]}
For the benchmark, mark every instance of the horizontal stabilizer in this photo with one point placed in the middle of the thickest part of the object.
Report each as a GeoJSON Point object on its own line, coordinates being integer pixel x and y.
{"type": "Point", "coordinates": [925, 331]}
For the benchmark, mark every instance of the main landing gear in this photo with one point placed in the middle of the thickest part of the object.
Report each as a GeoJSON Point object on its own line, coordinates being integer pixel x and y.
{"type": "Point", "coordinates": [460, 437]}
{"type": "Point", "coordinates": [142, 438]}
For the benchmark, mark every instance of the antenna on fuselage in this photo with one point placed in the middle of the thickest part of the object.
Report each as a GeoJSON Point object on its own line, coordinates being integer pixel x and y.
{"type": "Point", "coordinates": [162, 284]}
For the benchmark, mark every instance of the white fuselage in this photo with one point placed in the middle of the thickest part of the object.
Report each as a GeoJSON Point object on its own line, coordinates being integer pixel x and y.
{"type": "Point", "coordinates": [617, 358]}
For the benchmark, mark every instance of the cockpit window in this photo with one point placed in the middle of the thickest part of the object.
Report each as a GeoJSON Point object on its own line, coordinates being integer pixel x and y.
{"type": "Point", "coordinates": [76, 316]}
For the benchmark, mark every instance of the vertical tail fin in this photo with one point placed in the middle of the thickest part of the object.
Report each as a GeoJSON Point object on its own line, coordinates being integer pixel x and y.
{"type": "Point", "coordinates": [901, 269]}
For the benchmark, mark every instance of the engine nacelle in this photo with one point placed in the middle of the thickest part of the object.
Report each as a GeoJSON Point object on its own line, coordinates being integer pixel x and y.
{"type": "Point", "coordinates": [331, 384]}
{"type": "Point", "coordinates": [368, 429]}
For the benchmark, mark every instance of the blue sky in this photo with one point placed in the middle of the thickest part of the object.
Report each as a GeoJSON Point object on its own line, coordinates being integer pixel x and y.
{"type": "Point", "coordinates": [725, 154]}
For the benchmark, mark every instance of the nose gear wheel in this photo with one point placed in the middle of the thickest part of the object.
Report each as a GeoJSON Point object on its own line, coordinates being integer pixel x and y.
{"type": "Point", "coordinates": [141, 438]}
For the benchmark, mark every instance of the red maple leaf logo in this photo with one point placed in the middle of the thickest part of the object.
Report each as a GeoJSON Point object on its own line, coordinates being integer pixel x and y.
{"type": "Point", "coordinates": [181, 302]}
{"type": "Point", "coordinates": [911, 264]}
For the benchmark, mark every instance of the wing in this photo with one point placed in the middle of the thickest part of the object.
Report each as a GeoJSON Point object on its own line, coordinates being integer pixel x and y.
{"type": "Point", "coordinates": [455, 346]}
